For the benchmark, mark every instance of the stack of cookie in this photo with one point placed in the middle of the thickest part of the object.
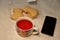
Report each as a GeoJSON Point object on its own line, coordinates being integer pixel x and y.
{"type": "Point", "coordinates": [29, 11]}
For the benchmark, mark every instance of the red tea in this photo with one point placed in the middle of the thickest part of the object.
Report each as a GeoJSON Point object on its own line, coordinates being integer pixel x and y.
{"type": "Point", "coordinates": [24, 24]}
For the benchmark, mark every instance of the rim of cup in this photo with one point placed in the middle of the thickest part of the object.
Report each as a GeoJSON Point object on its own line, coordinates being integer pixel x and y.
{"type": "Point", "coordinates": [27, 18]}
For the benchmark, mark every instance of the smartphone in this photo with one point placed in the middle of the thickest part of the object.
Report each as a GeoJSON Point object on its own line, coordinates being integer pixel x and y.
{"type": "Point", "coordinates": [49, 25]}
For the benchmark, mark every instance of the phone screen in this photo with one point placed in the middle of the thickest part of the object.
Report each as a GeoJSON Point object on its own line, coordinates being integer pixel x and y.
{"type": "Point", "coordinates": [49, 25]}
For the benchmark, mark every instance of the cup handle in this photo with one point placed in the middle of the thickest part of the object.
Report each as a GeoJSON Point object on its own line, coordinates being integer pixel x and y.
{"type": "Point", "coordinates": [35, 31]}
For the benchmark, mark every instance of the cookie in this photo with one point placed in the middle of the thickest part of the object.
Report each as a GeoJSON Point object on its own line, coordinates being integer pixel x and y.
{"type": "Point", "coordinates": [31, 12]}
{"type": "Point", "coordinates": [17, 12]}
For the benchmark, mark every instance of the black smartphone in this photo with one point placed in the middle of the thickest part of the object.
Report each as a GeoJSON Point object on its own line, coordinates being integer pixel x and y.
{"type": "Point", "coordinates": [49, 25]}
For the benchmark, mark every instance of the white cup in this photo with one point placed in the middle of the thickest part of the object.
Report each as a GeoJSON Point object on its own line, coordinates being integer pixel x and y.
{"type": "Point", "coordinates": [21, 31]}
